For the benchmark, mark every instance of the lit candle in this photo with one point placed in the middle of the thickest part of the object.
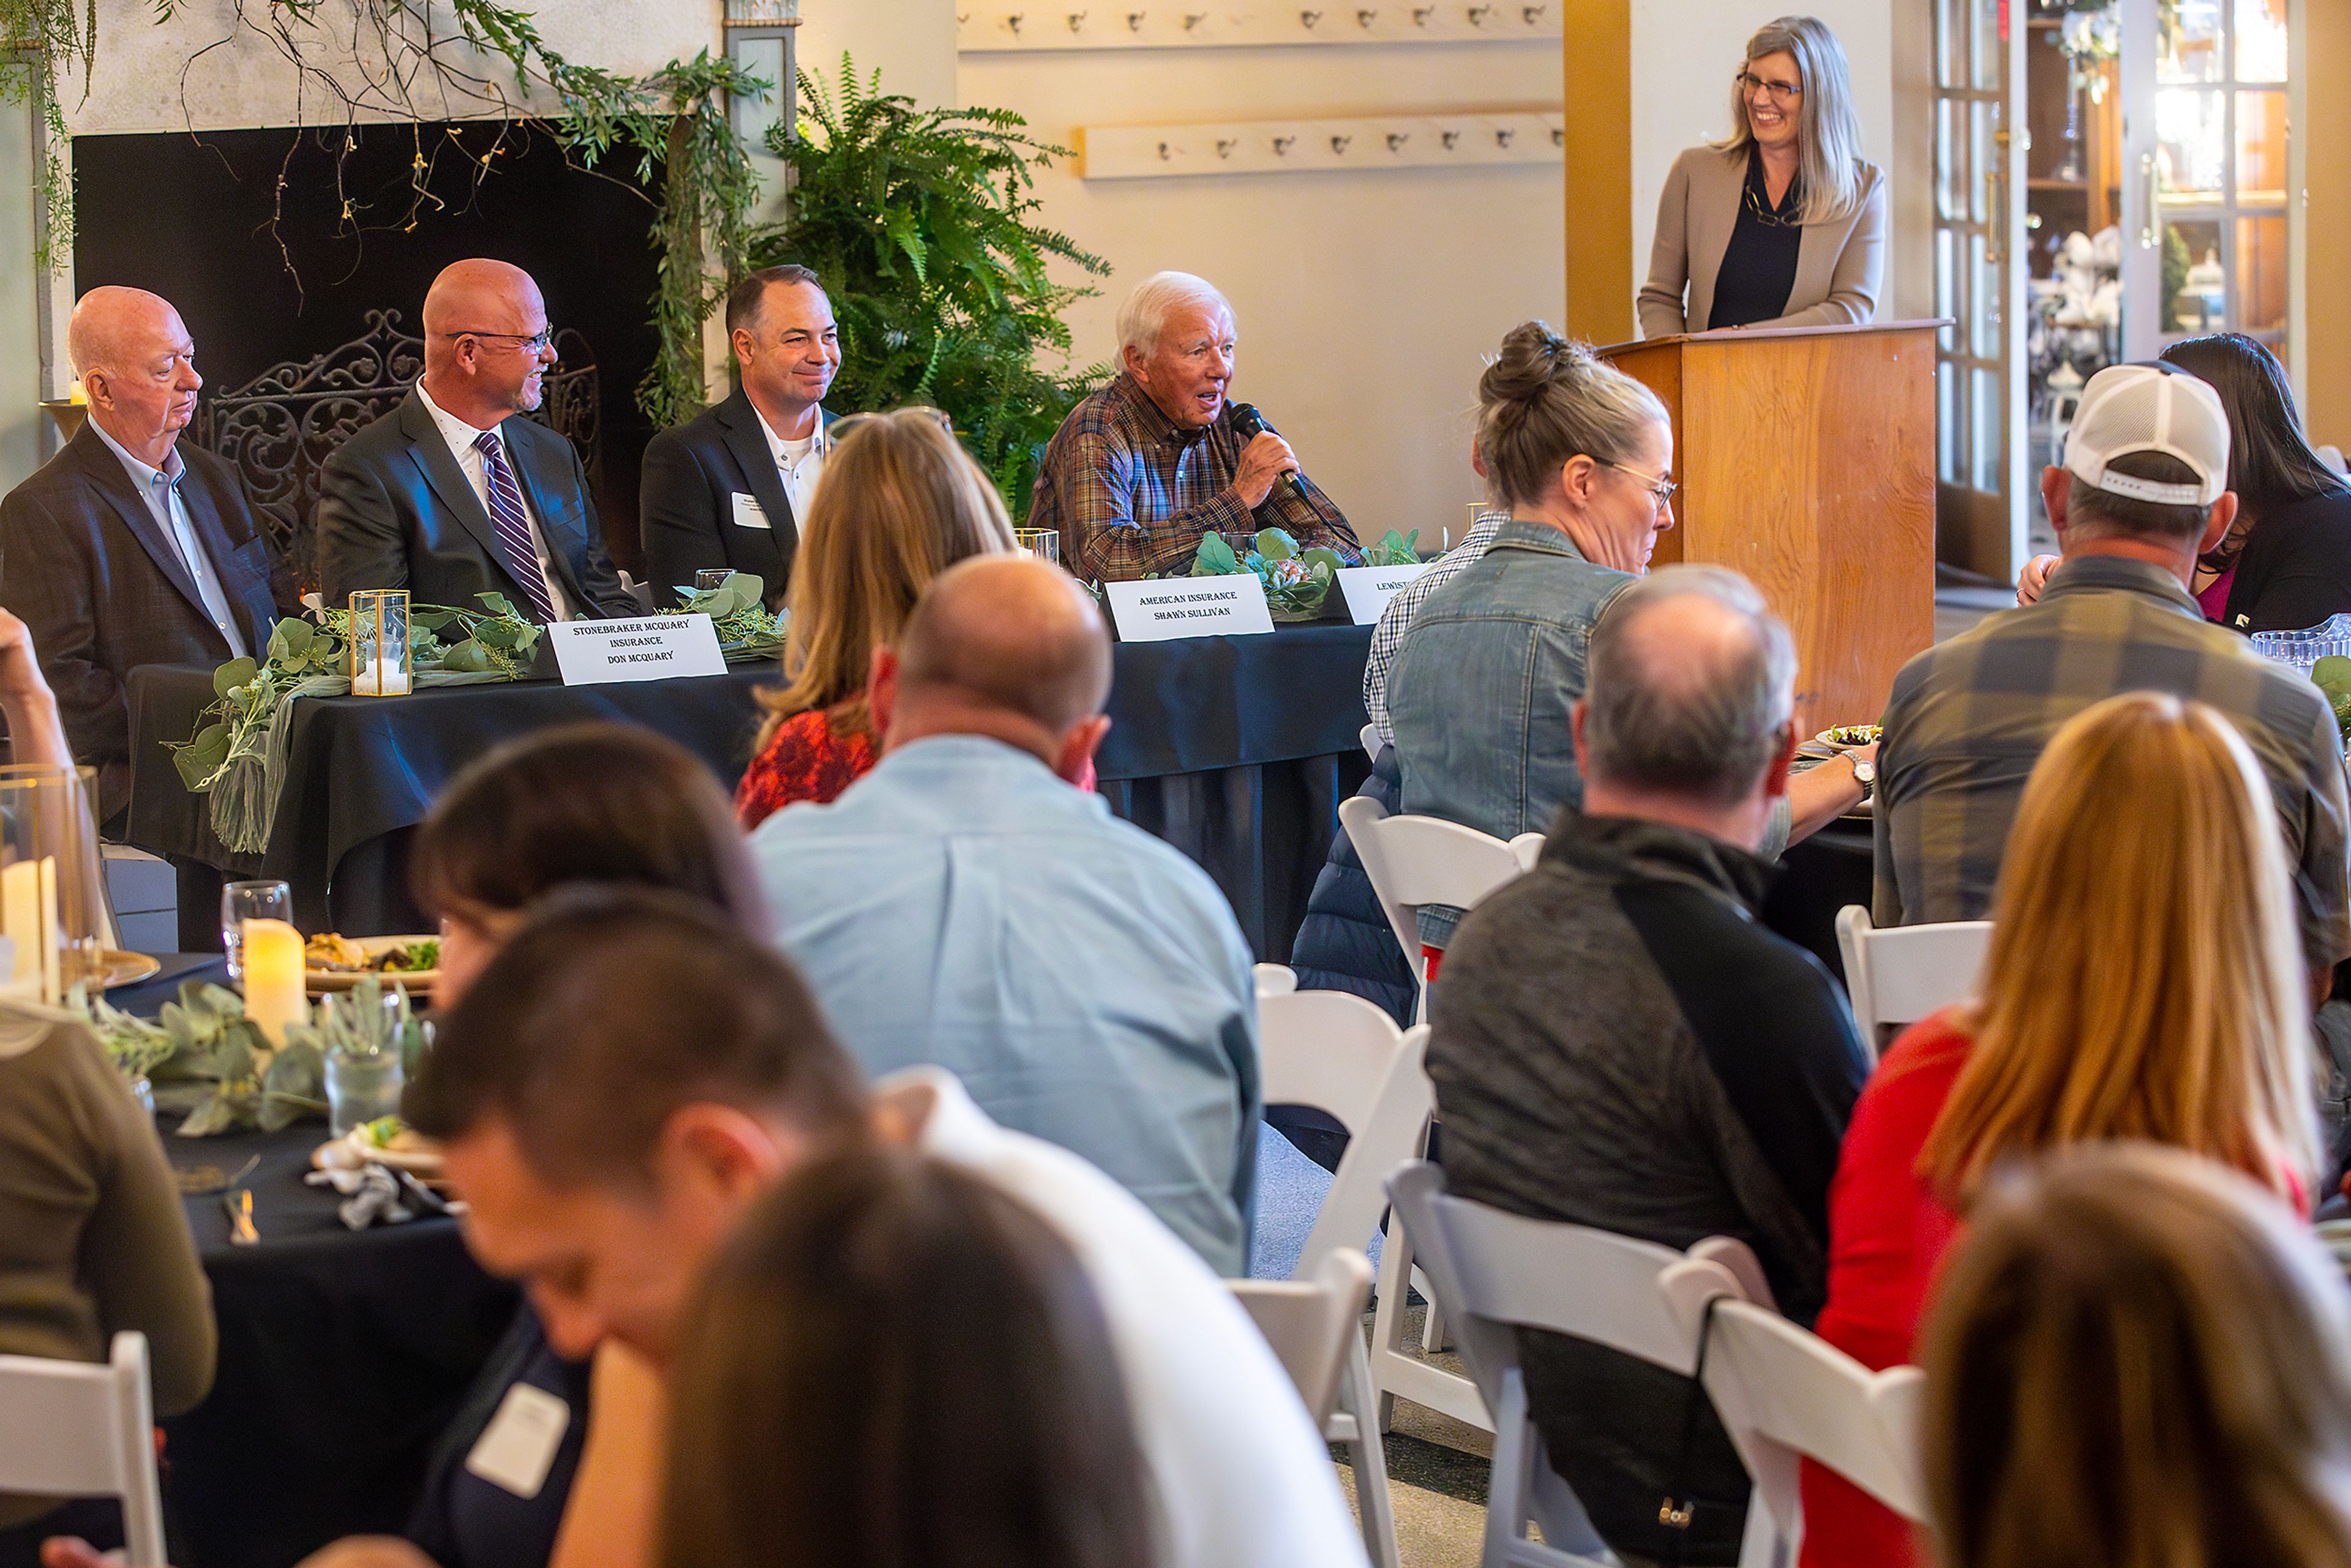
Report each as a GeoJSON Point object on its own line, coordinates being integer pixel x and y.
{"type": "Point", "coordinates": [273, 977]}
{"type": "Point", "coordinates": [52, 990]}
{"type": "Point", "coordinates": [29, 921]}
{"type": "Point", "coordinates": [381, 678]}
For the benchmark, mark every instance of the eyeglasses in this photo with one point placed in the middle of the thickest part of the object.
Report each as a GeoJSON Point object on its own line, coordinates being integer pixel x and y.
{"type": "Point", "coordinates": [535, 344]}
{"type": "Point", "coordinates": [1783, 93]}
{"type": "Point", "coordinates": [1661, 490]}
{"type": "Point", "coordinates": [849, 422]}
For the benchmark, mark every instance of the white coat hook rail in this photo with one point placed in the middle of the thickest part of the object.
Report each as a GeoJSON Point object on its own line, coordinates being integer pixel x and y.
{"type": "Point", "coordinates": [995, 25]}
{"type": "Point", "coordinates": [1321, 146]}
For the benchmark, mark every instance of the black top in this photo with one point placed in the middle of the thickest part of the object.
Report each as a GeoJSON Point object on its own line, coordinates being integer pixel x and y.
{"type": "Point", "coordinates": [1758, 266]}
{"type": "Point", "coordinates": [2295, 570]}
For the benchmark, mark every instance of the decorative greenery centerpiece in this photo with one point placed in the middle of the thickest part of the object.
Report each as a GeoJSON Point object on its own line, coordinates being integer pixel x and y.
{"type": "Point", "coordinates": [921, 223]}
{"type": "Point", "coordinates": [2332, 676]}
{"type": "Point", "coordinates": [738, 613]}
{"type": "Point", "coordinates": [204, 1049]}
{"type": "Point", "coordinates": [1296, 582]}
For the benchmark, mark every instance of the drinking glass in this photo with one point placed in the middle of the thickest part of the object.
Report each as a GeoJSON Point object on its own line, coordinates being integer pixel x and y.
{"type": "Point", "coordinates": [243, 901]}
{"type": "Point", "coordinates": [711, 579]}
{"type": "Point", "coordinates": [361, 1085]}
{"type": "Point", "coordinates": [1045, 544]}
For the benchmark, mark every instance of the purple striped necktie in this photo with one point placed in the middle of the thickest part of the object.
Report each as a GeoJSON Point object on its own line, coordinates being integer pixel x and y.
{"type": "Point", "coordinates": [512, 525]}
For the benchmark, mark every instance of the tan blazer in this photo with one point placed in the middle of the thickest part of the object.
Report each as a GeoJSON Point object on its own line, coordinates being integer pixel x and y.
{"type": "Point", "coordinates": [1839, 267]}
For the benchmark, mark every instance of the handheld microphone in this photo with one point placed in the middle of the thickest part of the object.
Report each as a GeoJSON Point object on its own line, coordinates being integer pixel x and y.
{"type": "Point", "coordinates": [1248, 423]}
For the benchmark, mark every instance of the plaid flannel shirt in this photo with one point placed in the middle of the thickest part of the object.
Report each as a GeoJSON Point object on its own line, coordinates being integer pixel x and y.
{"type": "Point", "coordinates": [1131, 492]}
{"type": "Point", "coordinates": [1968, 720]}
{"type": "Point", "coordinates": [1388, 635]}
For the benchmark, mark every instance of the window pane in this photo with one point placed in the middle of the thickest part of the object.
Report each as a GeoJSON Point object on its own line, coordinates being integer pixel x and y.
{"type": "Point", "coordinates": [2195, 285]}
{"type": "Point", "coordinates": [2261, 276]}
{"type": "Point", "coordinates": [2261, 147]}
{"type": "Point", "coordinates": [1992, 54]}
{"type": "Point", "coordinates": [2187, 46]}
{"type": "Point", "coordinates": [2191, 151]}
{"type": "Point", "coordinates": [1991, 423]}
{"type": "Point", "coordinates": [1952, 434]}
{"type": "Point", "coordinates": [2261, 40]}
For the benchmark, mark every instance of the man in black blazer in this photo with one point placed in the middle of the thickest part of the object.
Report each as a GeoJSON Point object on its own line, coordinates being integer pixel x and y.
{"type": "Point", "coordinates": [128, 547]}
{"type": "Point", "coordinates": [450, 496]}
{"type": "Point", "coordinates": [728, 487]}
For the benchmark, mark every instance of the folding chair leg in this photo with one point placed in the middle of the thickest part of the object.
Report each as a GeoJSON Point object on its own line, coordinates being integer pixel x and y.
{"type": "Point", "coordinates": [1368, 1460]}
{"type": "Point", "coordinates": [1432, 1327]}
{"type": "Point", "coordinates": [1388, 1313]}
{"type": "Point", "coordinates": [1514, 1457]}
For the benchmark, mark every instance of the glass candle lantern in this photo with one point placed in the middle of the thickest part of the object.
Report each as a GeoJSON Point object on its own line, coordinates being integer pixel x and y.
{"type": "Point", "coordinates": [53, 907]}
{"type": "Point", "coordinates": [379, 642]}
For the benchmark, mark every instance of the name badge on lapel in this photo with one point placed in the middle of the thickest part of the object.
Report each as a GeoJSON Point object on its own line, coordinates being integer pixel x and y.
{"type": "Point", "coordinates": [749, 513]}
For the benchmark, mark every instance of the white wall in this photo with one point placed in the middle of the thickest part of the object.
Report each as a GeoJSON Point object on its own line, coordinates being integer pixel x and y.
{"type": "Point", "coordinates": [1685, 53]}
{"type": "Point", "coordinates": [20, 338]}
{"type": "Point", "coordinates": [1365, 301]}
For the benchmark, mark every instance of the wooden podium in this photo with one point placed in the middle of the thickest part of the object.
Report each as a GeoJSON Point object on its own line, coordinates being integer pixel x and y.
{"type": "Point", "coordinates": [1806, 458]}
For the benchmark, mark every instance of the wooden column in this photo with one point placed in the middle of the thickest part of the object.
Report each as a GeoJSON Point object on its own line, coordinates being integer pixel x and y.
{"type": "Point", "coordinates": [1597, 65]}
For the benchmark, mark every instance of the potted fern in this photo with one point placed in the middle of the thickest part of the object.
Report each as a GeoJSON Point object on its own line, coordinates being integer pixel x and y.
{"type": "Point", "coordinates": [921, 223]}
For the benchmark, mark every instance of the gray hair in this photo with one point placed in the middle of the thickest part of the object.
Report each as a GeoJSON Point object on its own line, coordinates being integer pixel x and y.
{"type": "Point", "coordinates": [1828, 132]}
{"type": "Point", "coordinates": [1699, 723]}
{"type": "Point", "coordinates": [1142, 319]}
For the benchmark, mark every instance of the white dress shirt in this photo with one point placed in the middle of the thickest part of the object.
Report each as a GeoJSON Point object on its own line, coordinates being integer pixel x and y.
{"type": "Point", "coordinates": [461, 438]}
{"type": "Point", "coordinates": [798, 461]}
{"type": "Point", "coordinates": [160, 488]}
{"type": "Point", "coordinates": [1240, 1476]}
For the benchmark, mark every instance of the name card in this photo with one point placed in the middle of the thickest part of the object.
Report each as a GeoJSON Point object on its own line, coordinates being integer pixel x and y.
{"type": "Point", "coordinates": [599, 653]}
{"type": "Point", "coordinates": [1169, 607]}
{"type": "Point", "coordinates": [1369, 588]}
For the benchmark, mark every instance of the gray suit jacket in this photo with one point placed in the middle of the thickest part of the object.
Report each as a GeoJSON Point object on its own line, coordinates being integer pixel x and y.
{"type": "Point", "coordinates": [103, 590]}
{"type": "Point", "coordinates": [1840, 267]}
{"type": "Point", "coordinates": [395, 511]}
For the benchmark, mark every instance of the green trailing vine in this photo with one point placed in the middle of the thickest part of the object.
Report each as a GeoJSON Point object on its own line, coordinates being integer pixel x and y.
{"type": "Point", "coordinates": [674, 121]}
{"type": "Point", "coordinates": [921, 224]}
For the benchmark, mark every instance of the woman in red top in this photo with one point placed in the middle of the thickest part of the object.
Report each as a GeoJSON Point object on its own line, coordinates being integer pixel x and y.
{"type": "Point", "coordinates": [2145, 981]}
{"type": "Point", "coordinates": [899, 502]}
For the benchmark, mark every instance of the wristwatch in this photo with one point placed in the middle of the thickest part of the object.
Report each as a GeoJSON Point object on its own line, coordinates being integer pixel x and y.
{"type": "Point", "coordinates": [1864, 773]}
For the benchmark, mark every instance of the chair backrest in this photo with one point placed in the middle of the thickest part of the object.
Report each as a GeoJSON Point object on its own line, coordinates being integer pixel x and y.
{"type": "Point", "coordinates": [1415, 861]}
{"type": "Point", "coordinates": [1328, 1049]}
{"type": "Point", "coordinates": [1307, 1322]}
{"type": "Point", "coordinates": [1902, 973]}
{"type": "Point", "coordinates": [1390, 1130]}
{"type": "Point", "coordinates": [71, 1429]}
{"type": "Point", "coordinates": [1369, 739]}
{"type": "Point", "coordinates": [1786, 1394]}
{"type": "Point", "coordinates": [1274, 979]}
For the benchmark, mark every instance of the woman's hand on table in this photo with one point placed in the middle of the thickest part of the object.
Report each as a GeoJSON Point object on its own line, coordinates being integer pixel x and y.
{"type": "Point", "coordinates": [2034, 578]}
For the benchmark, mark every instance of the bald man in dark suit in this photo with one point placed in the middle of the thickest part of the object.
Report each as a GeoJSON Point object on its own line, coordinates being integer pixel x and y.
{"type": "Point", "coordinates": [129, 547]}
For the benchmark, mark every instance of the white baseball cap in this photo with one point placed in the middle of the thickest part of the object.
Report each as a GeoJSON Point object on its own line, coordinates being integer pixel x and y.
{"type": "Point", "coordinates": [2150, 408]}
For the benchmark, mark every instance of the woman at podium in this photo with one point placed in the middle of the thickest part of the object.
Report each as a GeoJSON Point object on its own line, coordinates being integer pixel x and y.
{"type": "Point", "coordinates": [1783, 225]}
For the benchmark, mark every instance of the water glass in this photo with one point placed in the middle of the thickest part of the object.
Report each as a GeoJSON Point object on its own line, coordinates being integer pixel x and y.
{"type": "Point", "coordinates": [243, 901]}
{"type": "Point", "coordinates": [1045, 544]}
{"type": "Point", "coordinates": [712, 579]}
{"type": "Point", "coordinates": [361, 1085]}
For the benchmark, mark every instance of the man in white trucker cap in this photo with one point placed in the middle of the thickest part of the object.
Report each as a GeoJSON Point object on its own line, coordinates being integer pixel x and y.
{"type": "Point", "coordinates": [2143, 491]}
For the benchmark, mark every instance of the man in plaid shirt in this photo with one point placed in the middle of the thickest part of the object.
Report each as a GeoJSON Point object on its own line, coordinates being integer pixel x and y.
{"type": "Point", "coordinates": [1144, 468]}
{"type": "Point", "coordinates": [2142, 492]}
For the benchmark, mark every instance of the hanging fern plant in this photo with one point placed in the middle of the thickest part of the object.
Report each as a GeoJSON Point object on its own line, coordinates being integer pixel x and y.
{"type": "Point", "coordinates": [41, 41]}
{"type": "Point", "coordinates": [921, 224]}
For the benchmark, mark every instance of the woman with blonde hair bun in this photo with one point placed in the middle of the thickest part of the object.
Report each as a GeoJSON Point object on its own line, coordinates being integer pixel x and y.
{"type": "Point", "coordinates": [2138, 1360]}
{"type": "Point", "coordinates": [899, 501]}
{"type": "Point", "coordinates": [2143, 981]}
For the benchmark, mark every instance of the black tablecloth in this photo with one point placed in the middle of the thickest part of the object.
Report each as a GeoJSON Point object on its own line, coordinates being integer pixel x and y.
{"type": "Point", "coordinates": [343, 1354]}
{"type": "Point", "coordinates": [1235, 749]}
{"type": "Point", "coordinates": [1816, 879]}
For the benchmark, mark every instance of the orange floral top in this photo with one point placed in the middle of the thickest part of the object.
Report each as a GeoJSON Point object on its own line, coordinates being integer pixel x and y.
{"type": "Point", "coordinates": [806, 760]}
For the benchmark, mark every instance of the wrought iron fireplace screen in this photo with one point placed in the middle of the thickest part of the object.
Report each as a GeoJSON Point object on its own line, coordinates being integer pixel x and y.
{"type": "Point", "coordinates": [281, 427]}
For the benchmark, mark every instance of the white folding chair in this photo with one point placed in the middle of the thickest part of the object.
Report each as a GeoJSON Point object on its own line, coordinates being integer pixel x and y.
{"type": "Point", "coordinates": [1274, 979]}
{"type": "Point", "coordinates": [1309, 1324]}
{"type": "Point", "coordinates": [71, 1429]}
{"type": "Point", "coordinates": [1902, 973]}
{"type": "Point", "coordinates": [1415, 861]}
{"type": "Point", "coordinates": [1786, 1395]}
{"type": "Point", "coordinates": [1340, 1055]}
{"type": "Point", "coordinates": [1495, 1273]}
{"type": "Point", "coordinates": [1369, 739]}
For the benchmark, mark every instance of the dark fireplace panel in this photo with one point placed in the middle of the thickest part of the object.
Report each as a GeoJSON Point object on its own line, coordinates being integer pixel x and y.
{"type": "Point", "coordinates": [189, 217]}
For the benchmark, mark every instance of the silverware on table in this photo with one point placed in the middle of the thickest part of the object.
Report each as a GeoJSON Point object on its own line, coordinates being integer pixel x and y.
{"type": "Point", "coordinates": [239, 1207]}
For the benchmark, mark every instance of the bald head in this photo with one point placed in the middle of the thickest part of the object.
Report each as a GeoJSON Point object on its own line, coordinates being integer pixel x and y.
{"type": "Point", "coordinates": [1690, 689]}
{"type": "Point", "coordinates": [480, 364]}
{"type": "Point", "coordinates": [137, 368]}
{"type": "Point", "coordinates": [1007, 635]}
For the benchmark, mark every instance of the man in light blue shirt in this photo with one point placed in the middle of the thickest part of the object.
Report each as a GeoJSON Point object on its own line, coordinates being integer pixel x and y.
{"type": "Point", "coordinates": [964, 905]}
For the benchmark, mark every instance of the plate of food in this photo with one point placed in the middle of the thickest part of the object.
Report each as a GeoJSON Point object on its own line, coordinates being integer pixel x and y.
{"type": "Point", "coordinates": [117, 968]}
{"type": "Point", "coordinates": [332, 962]}
{"type": "Point", "coordinates": [386, 1141]}
{"type": "Point", "coordinates": [1849, 737]}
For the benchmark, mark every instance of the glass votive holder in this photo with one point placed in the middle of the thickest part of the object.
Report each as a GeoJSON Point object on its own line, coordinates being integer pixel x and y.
{"type": "Point", "coordinates": [379, 656]}
{"type": "Point", "coordinates": [1045, 544]}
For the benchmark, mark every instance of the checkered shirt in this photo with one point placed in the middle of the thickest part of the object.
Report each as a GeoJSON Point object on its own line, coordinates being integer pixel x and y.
{"type": "Point", "coordinates": [1968, 720]}
{"type": "Point", "coordinates": [1131, 492]}
{"type": "Point", "coordinates": [1397, 616]}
